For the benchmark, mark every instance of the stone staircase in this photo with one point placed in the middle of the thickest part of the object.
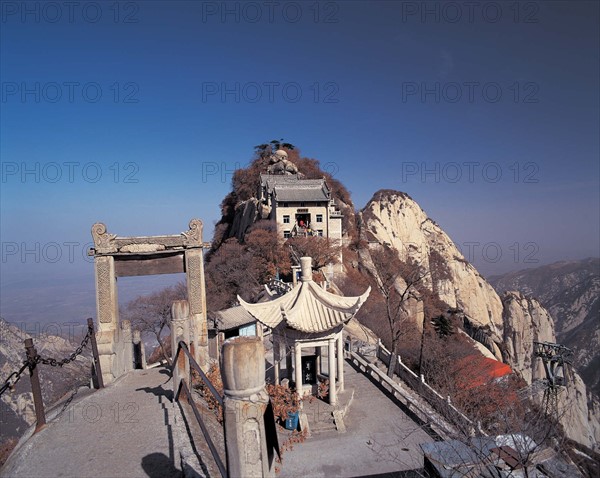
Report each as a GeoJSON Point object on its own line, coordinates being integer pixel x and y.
{"type": "Point", "coordinates": [323, 417]}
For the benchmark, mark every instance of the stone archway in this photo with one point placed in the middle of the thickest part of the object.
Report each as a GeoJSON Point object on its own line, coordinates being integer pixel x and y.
{"type": "Point", "coordinates": [115, 257]}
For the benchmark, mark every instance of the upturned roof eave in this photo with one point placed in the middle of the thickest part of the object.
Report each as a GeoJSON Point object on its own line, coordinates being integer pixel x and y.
{"type": "Point", "coordinates": [291, 308]}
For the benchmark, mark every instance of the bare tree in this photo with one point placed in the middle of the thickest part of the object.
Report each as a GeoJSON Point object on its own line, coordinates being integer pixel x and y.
{"type": "Point", "coordinates": [322, 250]}
{"type": "Point", "coordinates": [151, 313]}
{"type": "Point", "coordinates": [397, 282]}
{"type": "Point", "coordinates": [233, 270]}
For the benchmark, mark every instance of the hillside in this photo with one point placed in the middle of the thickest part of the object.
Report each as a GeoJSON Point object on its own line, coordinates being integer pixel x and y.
{"type": "Point", "coordinates": [570, 291]}
{"type": "Point", "coordinates": [505, 325]}
{"type": "Point", "coordinates": [502, 328]}
{"type": "Point", "coordinates": [16, 407]}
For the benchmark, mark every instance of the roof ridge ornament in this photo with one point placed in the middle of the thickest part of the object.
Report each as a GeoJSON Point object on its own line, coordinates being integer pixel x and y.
{"type": "Point", "coordinates": [306, 268]}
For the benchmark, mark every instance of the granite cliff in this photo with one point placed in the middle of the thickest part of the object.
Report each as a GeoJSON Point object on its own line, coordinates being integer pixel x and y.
{"type": "Point", "coordinates": [506, 326]}
{"type": "Point", "coordinates": [570, 291]}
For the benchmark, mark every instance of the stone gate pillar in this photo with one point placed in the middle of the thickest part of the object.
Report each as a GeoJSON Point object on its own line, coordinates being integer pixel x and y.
{"type": "Point", "coordinates": [194, 263]}
{"type": "Point", "coordinates": [107, 311]}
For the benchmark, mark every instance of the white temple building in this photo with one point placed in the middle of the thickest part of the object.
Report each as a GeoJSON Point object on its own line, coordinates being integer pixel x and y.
{"type": "Point", "coordinates": [309, 318]}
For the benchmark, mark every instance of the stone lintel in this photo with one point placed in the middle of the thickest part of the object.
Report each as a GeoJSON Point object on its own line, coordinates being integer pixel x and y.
{"type": "Point", "coordinates": [106, 243]}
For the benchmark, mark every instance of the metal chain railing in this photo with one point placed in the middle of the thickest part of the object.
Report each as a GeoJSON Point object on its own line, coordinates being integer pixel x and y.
{"type": "Point", "coordinates": [59, 363]}
{"type": "Point", "coordinates": [33, 359]}
{"type": "Point", "coordinates": [13, 378]}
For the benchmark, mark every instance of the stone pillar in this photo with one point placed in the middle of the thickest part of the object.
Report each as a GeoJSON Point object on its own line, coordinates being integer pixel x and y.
{"type": "Point", "coordinates": [180, 331]}
{"type": "Point", "coordinates": [298, 368]}
{"type": "Point", "coordinates": [194, 266]}
{"type": "Point", "coordinates": [126, 345]}
{"type": "Point", "coordinates": [107, 311]}
{"type": "Point", "coordinates": [245, 402]}
{"type": "Point", "coordinates": [140, 348]}
{"type": "Point", "coordinates": [332, 387]}
{"type": "Point", "coordinates": [340, 361]}
{"type": "Point", "coordinates": [276, 357]}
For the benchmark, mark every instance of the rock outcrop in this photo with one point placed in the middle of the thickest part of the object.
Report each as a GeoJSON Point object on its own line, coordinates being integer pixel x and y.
{"type": "Point", "coordinates": [507, 327]}
{"type": "Point", "coordinates": [570, 291]}
{"type": "Point", "coordinates": [525, 321]}
{"type": "Point", "coordinates": [246, 214]}
{"type": "Point", "coordinates": [395, 219]}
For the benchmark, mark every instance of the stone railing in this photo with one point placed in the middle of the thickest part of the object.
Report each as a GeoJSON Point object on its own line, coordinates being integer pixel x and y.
{"type": "Point", "coordinates": [441, 405]}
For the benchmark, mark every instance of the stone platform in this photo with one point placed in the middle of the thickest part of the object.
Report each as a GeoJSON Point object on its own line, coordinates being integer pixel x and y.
{"type": "Point", "coordinates": [380, 439]}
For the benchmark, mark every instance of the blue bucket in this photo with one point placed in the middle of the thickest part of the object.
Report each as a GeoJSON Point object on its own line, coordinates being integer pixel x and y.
{"type": "Point", "coordinates": [292, 421]}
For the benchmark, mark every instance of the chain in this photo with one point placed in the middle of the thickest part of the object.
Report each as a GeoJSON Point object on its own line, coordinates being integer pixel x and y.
{"type": "Point", "coordinates": [14, 377]}
{"type": "Point", "coordinates": [59, 363]}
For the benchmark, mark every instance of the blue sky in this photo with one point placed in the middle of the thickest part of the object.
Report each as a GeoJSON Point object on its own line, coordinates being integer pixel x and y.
{"type": "Point", "coordinates": [136, 114]}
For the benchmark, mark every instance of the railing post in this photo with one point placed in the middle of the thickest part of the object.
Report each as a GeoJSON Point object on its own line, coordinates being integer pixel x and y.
{"type": "Point", "coordinates": [245, 403]}
{"type": "Point", "coordinates": [92, 331]}
{"type": "Point", "coordinates": [180, 332]}
{"type": "Point", "coordinates": [36, 389]}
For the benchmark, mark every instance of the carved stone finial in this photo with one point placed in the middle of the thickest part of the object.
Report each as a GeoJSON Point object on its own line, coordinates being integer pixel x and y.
{"type": "Point", "coordinates": [103, 241]}
{"type": "Point", "coordinates": [193, 237]}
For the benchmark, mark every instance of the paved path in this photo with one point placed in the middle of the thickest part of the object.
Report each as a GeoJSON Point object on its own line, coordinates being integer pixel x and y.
{"type": "Point", "coordinates": [123, 430]}
{"type": "Point", "coordinates": [380, 439]}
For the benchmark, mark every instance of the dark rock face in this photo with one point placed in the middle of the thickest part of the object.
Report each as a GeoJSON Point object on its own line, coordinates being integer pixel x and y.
{"type": "Point", "coordinates": [570, 291]}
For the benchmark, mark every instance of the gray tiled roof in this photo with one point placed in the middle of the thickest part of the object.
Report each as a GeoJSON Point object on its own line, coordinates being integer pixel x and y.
{"type": "Point", "coordinates": [291, 188]}
{"type": "Point", "coordinates": [233, 318]}
{"type": "Point", "coordinates": [290, 181]}
{"type": "Point", "coordinates": [300, 195]}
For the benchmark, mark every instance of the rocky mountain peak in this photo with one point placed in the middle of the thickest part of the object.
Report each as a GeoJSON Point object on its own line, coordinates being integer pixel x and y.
{"type": "Point", "coordinates": [395, 219]}
{"type": "Point", "coordinates": [506, 326]}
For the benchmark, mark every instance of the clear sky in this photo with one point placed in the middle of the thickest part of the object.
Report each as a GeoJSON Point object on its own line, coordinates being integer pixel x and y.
{"type": "Point", "coordinates": [136, 113]}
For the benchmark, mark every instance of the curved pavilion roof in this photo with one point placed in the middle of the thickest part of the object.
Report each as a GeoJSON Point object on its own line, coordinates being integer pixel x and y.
{"type": "Point", "coordinates": [307, 308]}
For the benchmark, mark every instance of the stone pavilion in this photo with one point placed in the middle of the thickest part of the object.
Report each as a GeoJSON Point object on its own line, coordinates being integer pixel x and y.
{"type": "Point", "coordinates": [308, 318]}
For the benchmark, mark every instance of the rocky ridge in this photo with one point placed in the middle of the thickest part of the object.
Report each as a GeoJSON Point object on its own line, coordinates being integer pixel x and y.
{"type": "Point", "coordinates": [507, 326]}
{"type": "Point", "coordinates": [570, 291]}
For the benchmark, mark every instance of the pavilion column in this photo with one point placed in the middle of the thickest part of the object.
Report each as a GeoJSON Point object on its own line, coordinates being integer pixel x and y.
{"type": "Point", "coordinates": [332, 386]}
{"type": "Point", "coordinates": [319, 355]}
{"type": "Point", "coordinates": [298, 367]}
{"type": "Point", "coordinates": [276, 356]}
{"type": "Point", "coordinates": [340, 361]}
{"type": "Point", "coordinates": [288, 364]}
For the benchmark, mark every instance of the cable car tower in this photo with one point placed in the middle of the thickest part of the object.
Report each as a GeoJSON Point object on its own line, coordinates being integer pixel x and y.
{"type": "Point", "coordinates": [557, 359]}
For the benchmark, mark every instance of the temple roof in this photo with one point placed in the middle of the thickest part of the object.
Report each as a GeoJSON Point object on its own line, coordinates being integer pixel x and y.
{"type": "Point", "coordinates": [307, 308]}
{"type": "Point", "coordinates": [233, 317]}
{"type": "Point", "coordinates": [300, 195]}
{"type": "Point", "coordinates": [292, 188]}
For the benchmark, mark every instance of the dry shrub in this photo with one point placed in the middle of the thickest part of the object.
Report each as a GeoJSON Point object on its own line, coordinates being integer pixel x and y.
{"type": "Point", "coordinates": [214, 376]}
